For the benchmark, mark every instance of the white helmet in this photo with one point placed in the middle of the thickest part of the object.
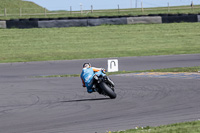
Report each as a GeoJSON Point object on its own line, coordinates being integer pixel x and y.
{"type": "Point", "coordinates": [86, 65]}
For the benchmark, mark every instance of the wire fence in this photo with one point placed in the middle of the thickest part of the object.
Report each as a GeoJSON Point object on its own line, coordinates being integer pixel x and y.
{"type": "Point", "coordinates": [22, 12]}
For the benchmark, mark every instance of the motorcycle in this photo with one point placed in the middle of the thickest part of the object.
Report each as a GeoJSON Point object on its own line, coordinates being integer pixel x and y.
{"type": "Point", "coordinates": [103, 85]}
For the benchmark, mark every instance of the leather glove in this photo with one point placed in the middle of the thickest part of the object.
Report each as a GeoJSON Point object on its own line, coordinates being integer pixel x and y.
{"type": "Point", "coordinates": [103, 70]}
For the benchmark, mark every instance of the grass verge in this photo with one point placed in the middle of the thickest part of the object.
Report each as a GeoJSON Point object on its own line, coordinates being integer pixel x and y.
{"type": "Point", "coordinates": [177, 69]}
{"type": "Point", "coordinates": [186, 127]}
{"type": "Point", "coordinates": [31, 10]}
{"type": "Point", "coordinates": [24, 45]}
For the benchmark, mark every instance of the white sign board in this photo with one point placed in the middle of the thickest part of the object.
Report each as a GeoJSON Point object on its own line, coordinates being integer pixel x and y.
{"type": "Point", "coordinates": [113, 65]}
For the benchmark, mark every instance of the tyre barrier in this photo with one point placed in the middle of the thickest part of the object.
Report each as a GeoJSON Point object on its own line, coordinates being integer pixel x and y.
{"type": "Point", "coordinates": [62, 23]}
{"type": "Point", "coordinates": [144, 20]}
{"type": "Point", "coordinates": [109, 21]}
{"type": "Point", "coordinates": [22, 24]}
{"type": "Point", "coordinates": [3, 24]}
{"type": "Point", "coordinates": [198, 18]}
{"type": "Point", "coordinates": [92, 21]}
{"type": "Point", "coordinates": [178, 19]}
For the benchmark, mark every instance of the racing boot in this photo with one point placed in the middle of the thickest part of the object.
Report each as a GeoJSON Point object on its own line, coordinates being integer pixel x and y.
{"type": "Point", "coordinates": [94, 88]}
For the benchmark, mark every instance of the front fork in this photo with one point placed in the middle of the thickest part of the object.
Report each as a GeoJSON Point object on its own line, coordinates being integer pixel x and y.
{"type": "Point", "coordinates": [105, 79]}
{"type": "Point", "coordinates": [110, 82]}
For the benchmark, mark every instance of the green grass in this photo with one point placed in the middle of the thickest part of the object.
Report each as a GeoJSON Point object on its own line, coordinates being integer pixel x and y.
{"type": "Point", "coordinates": [176, 69]}
{"type": "Point", "coordinates": [17, 4]}
{"type": "Point", "coordinates": [41, 44]}
{"type": "Point", "coordinates": [186, 127]}
{"type": "Point", "coordinates": [13, 7]}
{"type": "Point", "coordinates": [146, 11]}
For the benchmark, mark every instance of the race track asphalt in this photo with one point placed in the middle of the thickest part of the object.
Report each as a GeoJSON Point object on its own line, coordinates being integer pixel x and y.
{"type": "Point", "coordinates": [61, 105]}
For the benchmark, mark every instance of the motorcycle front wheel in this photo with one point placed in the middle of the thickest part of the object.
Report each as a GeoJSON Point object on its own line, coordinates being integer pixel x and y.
{"type": "Point", "coordinates": [108, 90]}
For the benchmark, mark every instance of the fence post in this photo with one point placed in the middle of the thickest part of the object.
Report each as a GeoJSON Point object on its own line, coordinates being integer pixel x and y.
{"type": "Point", "coordinates": [135, 3]}
{"type": "Point", "coordinates": [45, 12]}
{"type": "Point", "coordinates": [168, 8]}
{"type": "Point", "coordinates": [20, 12]}
{"type": "Point", "coordinates": [91, 8]}
{"type": "Point", "coordinates": [5, 12]}
{"type": "Point", "coordinates": [81, 8]}
{"type": "Point", "coordinates": [192, 6]}
{"type": "Point", "coordinates": [118, 8]}
{"type": "Point", "coordinates": [70, 10]}
{"type": "Point", "coordinates": [142, 6]}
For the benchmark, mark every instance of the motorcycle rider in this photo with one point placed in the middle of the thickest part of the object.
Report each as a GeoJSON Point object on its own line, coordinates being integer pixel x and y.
{"type": "Point", "coordinates": [87, 75]}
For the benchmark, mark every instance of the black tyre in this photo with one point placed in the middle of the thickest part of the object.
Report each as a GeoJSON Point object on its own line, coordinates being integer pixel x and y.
{"type": "Point", "coordinates": [108, 90]}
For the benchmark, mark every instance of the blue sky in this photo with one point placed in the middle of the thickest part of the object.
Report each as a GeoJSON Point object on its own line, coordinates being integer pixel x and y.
{"type": "Point", "coordinates": [108, 4]}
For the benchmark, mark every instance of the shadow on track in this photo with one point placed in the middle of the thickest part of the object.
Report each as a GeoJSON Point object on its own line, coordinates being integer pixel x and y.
{"type": "Point", "coordinates": [82, 100]}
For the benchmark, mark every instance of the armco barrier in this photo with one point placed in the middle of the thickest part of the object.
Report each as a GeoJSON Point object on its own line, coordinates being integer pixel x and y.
{"type": "Point", "coordinates": [21, 24]}
{"type": "Point", "coordinates": [101, 21]}
{"type": "Point", "coordinates": [178, 19]}
{"type": "Point", "coordinates": [3, 24]}
{"type": "Point", "coordinates": [62, 23]}
{"type": "Point", "coordinates": [146, 20]}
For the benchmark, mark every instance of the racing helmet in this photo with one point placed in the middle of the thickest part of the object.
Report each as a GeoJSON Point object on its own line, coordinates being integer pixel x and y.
{"type": "Point", "coordinates": [86, 65]}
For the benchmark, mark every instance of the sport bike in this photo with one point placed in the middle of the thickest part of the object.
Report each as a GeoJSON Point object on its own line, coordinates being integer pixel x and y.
{"type": "Point", "coordinates": [103, 85]}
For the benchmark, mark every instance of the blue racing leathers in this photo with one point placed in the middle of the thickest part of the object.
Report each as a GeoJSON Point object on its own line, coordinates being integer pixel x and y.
{"type": "Point", "coordinates": [87, 78]}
